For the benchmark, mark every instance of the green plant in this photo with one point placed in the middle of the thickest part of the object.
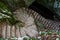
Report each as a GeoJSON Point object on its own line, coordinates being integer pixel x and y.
{"type": "Point", "coordinates": [25, 38]}
{"type": "Point", "coordinates": [7, 16]}
{"type": "Point", "coordinates": [1, 39]}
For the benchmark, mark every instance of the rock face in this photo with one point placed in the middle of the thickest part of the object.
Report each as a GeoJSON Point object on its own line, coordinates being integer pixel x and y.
{"type": "Point", "coordinates": [8, 31]}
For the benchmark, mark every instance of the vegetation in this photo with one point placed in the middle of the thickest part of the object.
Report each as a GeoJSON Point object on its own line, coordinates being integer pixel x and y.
{"type": "Point", "coordinates": [6, 14]}
{"type": "Point", "coordinates": [49, 35]}
{"type": "Point", "coordinates": [13, 4]}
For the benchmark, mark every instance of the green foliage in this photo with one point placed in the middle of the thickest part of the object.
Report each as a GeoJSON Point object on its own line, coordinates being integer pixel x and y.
{"type": "Point", "coordinates": [1, 39]}
{"type": "Point", "coordinates": [25, 39]}
{"type": "Point", "coordinates": [58, 33]}
{"type": "Point", "coordinates": [48, 33]}
{"type": "Point", "coordinates": [29, 2]}
{"type": "Point", "coordinates": [4, 12]}
{"type": "Point", "coordinates": [4, 9]}
{"type": "Point", "coordinates": [13, 4]}
{"type": "Point", "coordinates": [6, 15]}
{"type": "Point", "coordinates": [29, 39]}
{"type": "Point", "coordinates": [42, 33]}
